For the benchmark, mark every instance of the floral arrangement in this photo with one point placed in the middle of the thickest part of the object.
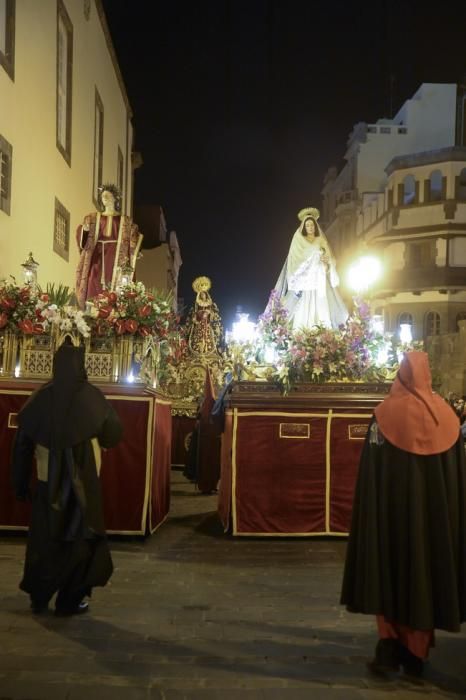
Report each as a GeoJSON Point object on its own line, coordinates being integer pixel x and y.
{"type": "Point", "coordinates": [30, 311]}
{"type": "Point", "coordinates": [132, 310]}
{"type": "Point", "coordinates": [353, 352]}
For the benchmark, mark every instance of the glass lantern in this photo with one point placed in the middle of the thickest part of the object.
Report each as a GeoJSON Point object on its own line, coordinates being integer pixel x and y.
{"type": "Point", "coordinates": [30, 271]}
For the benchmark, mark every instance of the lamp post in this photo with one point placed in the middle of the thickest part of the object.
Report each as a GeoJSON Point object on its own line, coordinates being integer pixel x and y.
{"type": "Point", "coordinates": [30, 271]}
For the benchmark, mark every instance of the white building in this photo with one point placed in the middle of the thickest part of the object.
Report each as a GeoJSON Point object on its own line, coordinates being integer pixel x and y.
{"type": "Point", "coordinates": [427, 121]}
{"type": "Point", "coordinates": [65, 127]}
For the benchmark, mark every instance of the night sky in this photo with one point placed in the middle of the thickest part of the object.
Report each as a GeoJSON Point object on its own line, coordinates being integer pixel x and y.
{"type": "Point", "coordinates": [240, 106]}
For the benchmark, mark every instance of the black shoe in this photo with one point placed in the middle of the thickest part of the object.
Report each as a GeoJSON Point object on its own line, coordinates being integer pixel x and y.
{"type": "Point", "coordinates": [412, 665]}
{"type": "Point", "coordinates": [387, 657]}
{"type": "Point", "coordinates": [79, 609]}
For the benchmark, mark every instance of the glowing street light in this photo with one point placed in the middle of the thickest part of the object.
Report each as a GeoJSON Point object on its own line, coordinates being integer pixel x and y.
{"type": "Point", "coordinates": [363, 273]}
{"type": "Point", "coordinates": [406, 332]}
{"type": "Point", "coordinates": [243, 330]}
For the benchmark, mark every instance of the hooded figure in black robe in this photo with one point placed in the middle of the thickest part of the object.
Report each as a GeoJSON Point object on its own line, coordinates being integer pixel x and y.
{"type": "Point", "coordinates": [406, 555]}
{"type": "Point", "coordinates": [63, 426]}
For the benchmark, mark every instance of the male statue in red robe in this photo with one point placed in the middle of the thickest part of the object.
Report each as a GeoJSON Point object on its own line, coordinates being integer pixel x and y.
{"type": "Point", "coordinates": [107, 240]}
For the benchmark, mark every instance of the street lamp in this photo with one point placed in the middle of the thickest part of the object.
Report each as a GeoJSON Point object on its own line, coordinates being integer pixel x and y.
{"type": "Point", "coordinates": [363, 273]}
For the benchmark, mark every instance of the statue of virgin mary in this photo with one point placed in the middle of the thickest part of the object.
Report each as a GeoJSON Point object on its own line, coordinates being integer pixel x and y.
{"type": "Point", "coordinates": [308, 283]}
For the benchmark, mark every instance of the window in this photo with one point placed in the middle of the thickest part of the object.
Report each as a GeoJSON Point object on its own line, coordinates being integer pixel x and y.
{"type": "Point", "coordinates": [61, 231]}
{"type": "Point", "coordinates": [120, 174]}
{"type": "Point", "coordinates": [371, 129]}
{"type": "Point", "coordinates": [405, 317]}
{"type": "Point", "coordinates": [435, 186]}
{"type": "Point", "coordinates": [421, 253]}
{"type": "Point", "coordinates": [460, 317]}
{"type": "Point", "coordinates": [461, 185]}
{"type": "Point", "coordinates": [5, 175]}
{"type": "Point", "coordinates": [64, 80]}
{"type": "Point", "coordinates": [431, 323]}
{"type": "Point", "coordinates": [409, 190]}
{"type": "Point", "coordinates": [385, 130]}
{"type": "Point", "coordinates": [98, 146]}
{"type": "Point", "coordinates": [402, 130]}
{"type": "Point", "coordinates": [7, 36]}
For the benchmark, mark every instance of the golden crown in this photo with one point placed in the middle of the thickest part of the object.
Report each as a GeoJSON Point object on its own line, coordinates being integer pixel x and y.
{"type": "Point", "coordinates": [308, 211]}
{"type": "Point", "coordinates": [201, 284]}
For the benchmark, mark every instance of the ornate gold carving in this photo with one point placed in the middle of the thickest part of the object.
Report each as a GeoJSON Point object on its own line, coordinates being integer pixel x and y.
{"type": "Point", "coordinates": [357, 431]}
{"type": "Point", "coordinates": [295, 430]}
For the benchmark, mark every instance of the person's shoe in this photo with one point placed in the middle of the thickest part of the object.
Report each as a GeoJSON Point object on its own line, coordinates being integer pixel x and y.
{"type": "Point", "coordinates": [79, 609]}
{"type": "Point", "coordinates": [412, 665]}
{"type": "Point", "coordinates": [387, 657]}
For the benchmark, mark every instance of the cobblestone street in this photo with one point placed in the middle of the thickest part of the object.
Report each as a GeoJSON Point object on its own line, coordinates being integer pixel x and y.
{"type": "Point", "coordinates": [193, 614]}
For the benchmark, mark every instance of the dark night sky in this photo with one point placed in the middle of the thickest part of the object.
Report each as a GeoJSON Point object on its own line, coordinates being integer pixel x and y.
{"type": "Point", "coordinates": [240, 106]}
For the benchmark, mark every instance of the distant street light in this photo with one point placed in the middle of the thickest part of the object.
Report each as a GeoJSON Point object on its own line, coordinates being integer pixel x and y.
{"type": "Point", "coordinates": [363, 273]}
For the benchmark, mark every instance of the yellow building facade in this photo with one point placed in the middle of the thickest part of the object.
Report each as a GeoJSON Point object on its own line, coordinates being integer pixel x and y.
{"type": "Point", "coordinates": [65, 128]}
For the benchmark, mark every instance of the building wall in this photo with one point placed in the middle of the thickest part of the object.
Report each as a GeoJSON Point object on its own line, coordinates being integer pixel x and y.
{"type": "Point", "coordinates": [40, 173]}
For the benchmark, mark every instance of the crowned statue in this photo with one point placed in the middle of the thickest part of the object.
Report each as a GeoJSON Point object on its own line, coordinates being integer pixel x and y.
{"type": "Point", "coordinates": [204, 324]}
{"type": "Point", "coordinates": [308, 283]}
{"type": "Point", "coordinates": [107, 241]}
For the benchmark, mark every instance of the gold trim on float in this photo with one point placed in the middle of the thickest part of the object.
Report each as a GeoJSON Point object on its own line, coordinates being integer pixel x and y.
{"type": "Point", "coordinates": [282, 413]}
{"type": "Point", "coordinates": [163, 402]}
{"type": "Point", "coordinates": [152, 530]}
{"type": "Point", "coordinates": [358, 437]}
{"type": "Point", "coordinates": [12, 422]}
{"type": "Point", "coordinates": [233, 470]}
{"type": "Point", "coordinates": [125, 532]}
{"type": "Point", "coordinates": [304, 436]}
{"type": "Point", "coordinates": [327, 471]}
{"type": "Point", "coordinates": [149, 440]}
{"type": "Point", "coordinates": [292, 534]}
{"type": "Point", "coordinates": [23, 528]}
{"type": "Point", "coordinates": [19, 392]}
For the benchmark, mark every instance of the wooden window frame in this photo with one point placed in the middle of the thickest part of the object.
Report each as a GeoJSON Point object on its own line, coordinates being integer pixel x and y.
{"type": "Point", "coordinates": [62, 251]}
{"type": "Point", "coordinates": [5, 201]}
{"type": "Point", "coordinates": [7, 58]}
{"type": "Point", "coordinates": [62, 16]}
{"type": "Point", "coordinates": [98, 149]}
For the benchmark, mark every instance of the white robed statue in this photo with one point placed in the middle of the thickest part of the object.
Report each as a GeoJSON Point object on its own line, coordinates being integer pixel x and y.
{"type": "Point", "coordinates": [307, 285]}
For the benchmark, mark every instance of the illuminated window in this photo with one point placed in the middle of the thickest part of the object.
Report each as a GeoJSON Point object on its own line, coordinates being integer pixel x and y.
{"type": "Point", "coordinates": [5, 175]}
{"type": "Point", "coordinates": [61, 231]}
{"type": "Point", "coordinates": [64, 81]}
{"type": "Point", "coordinates": [98, 146]}
{"type": "Point", "coordinates": [431, 323]}
{"type": "Point", "coordinates": [7, 36]}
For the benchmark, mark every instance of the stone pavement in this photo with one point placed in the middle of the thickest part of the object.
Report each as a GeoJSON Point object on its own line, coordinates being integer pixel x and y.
{"type": "Point", "coordinates": [192, 614]}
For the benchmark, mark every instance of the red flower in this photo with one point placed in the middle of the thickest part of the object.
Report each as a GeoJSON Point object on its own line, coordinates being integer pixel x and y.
{"type": "Point", "coordinates": [44, 297]}
{"type": "Point", "coordinates": [38, 313]}
{"type": "Point", "coordinates": [143, 330]}
{"type": "Point", "coordinates": [131, 295]}
{"type": "Point", "coordinates": [24, 294]}
{"type": "Point", "coordinates": [144, 311]}
{"type": "Point", "coordinates": [120, 326]}
{"type": "Point", "coordinates": [131, 326]}
{"type": "Point", "coordinates": [3, 319]}
{"type": "Point", "coordinates": [7, 304]}
{"type": "Point", "coordinates": [150, 297]}
{"type": "Point", "coordinates": [104, 312]}
{"type": "Point", "coordinates": [37, 328]}
{"type": "Point", "coordinates": [26, 326]}
{"type": "Point", "coordinates": [112, 297]}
